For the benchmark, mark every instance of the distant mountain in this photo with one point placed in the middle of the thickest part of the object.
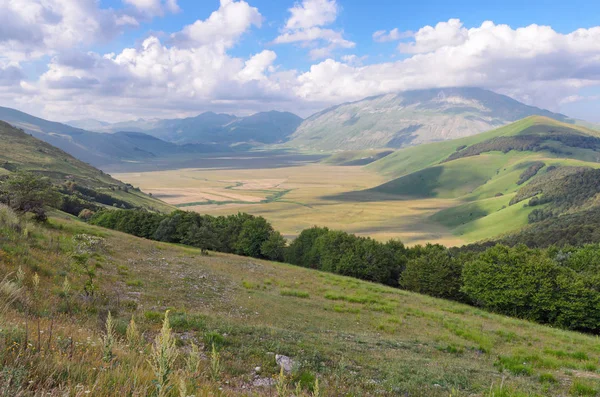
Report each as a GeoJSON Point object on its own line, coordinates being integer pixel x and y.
{"type": "Point", "coordinates": [209, 127]}
{"type": "Point", "coordinates": [88, 124]}
{"type": "Point", "coordinates": [411, 118]}
{"type": "Point", "coordinates": [100, 149]}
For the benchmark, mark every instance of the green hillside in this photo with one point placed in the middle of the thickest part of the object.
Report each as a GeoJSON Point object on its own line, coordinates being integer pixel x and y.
{"type": "Point", "coordinates": [357, 338]}
{"type": "Point", "coordinates": [22, 152]}
{"type": "Point", "coordinates": [484, 171]}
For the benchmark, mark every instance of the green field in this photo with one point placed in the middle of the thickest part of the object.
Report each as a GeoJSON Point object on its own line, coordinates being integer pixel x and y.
{"type": "Point", "coordinates": [358, 338]}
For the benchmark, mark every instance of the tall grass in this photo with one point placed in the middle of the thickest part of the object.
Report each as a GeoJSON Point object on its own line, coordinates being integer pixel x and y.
{"type": "Point", "coordinates": [162, 359]}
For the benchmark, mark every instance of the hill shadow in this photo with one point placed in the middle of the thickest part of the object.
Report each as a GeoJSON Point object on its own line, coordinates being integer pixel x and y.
{"type": "Point", "coordinates": [420, 184]}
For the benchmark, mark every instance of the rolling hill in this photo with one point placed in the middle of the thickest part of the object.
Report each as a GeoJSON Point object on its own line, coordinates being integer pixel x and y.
{"type": "Point", "coordinates": [209, 127]}
{"type": "Point", "coordinates": [494, 175]}
{"type": "Point", "coordinates": [410, 118]}
{"type": "Point", "coordinates": [22, 152]}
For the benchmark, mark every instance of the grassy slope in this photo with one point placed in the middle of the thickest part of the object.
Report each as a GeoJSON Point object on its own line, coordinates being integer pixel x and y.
{"type": "Point", "coordinates": [420, 173]}
{"type": "Point", "coordinates": [360, 338]}
{"type": "Point", "coordinates": [28, 153]}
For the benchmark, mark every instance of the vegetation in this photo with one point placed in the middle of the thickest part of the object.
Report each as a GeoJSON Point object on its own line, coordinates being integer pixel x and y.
{"type": "Point", "coordinates": [347, 336]}
{"type": "Point", "coordinates": [240, 234]}
{"type": "Point", "coordinates": [550, 286]}
{"type": "Point", "coordinates": [26, 193]}
{"type": "Point", "coordinates": [80, 185]}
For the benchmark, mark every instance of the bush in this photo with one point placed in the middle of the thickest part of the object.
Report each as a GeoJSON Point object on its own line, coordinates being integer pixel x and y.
{"type": "Point", "coordinates": [28, 193]}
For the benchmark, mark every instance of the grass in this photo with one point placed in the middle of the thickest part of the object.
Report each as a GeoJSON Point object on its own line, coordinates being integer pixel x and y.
{"type": "Point", "coordinates": [294, 293]}
{"type": "Point", "coordinates": [357, 338]}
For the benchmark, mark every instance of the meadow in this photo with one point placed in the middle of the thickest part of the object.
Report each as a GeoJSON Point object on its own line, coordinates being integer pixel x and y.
{"type": "Point", "coordinates": [356, 337]}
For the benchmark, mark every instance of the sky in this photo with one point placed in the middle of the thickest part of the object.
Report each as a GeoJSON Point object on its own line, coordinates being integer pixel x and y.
{"type": "Point", "coordinates": [117, 60]}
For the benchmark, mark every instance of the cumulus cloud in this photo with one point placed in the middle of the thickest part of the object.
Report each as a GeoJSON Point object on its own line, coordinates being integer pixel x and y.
{"type": "Point", "coordinates": [535, 64]}
{"type": "Point", "coordinates": [428, 38]}
{"type": "Point", "coordinates": [312, 13]}
{"type": "Point", "coordinates": [223, 28]}
{"type": "Point", "coordinates": [30, 29]}
{"type": "Point", "coordinates": [192, 70]}
{"type": "Point", "coordinates": [305, 26]}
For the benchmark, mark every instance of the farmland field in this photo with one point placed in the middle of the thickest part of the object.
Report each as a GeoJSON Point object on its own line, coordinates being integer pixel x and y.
{"type": "Point", "coordinates": [296, 198]}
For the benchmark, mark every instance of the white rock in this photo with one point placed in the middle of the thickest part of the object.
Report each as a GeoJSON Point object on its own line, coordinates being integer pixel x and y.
{"type": "Point", "coordinates": [284, 362]}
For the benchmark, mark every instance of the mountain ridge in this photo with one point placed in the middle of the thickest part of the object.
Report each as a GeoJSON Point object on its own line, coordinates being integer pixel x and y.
{"type": "Point", "coordinates": [210, 127]}
{"type": "Point", "coordinates": [410, 118]}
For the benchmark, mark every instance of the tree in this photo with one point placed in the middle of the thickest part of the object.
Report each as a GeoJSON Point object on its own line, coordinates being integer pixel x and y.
{"type": "Point", "coordinates": [303, 250]}
{"type": "Point", "coordinates": [515, 281]}
{"type": "Point", "coordinates": [202, 237]}
{"type": "Point", "coordinates": [274, 248]}
{"type": "Point", "coordinates": [254, 232]}
{"type": "Point", "coordinates": [436, 273]}
{"type": "Point", "coordinates": [26, 192]}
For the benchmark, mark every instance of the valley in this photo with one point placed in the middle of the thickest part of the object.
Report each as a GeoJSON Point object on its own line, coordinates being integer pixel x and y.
{"type": "Point", "coordinates": [296, 198]}
{"type": "Point", "coordinates": [422, 194]}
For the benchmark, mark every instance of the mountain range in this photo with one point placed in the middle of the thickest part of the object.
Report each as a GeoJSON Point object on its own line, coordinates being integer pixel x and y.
{"type": "Point", "coordinates": [411, 118]}
{"type": "Point", "coordinates": [383, 122]}
{"type": "Point", "coordinates": [209, 127]}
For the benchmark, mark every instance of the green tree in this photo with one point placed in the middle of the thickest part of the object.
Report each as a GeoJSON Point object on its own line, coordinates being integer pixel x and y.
{"type": "Point", "coordinates": [274, 248]}
{"type": "Point", "coordinates": [514, 281]}
{"type": "Point", "coordinates": [303, 251]}
{"type": "Point", "coordinates": [29, 193]}
{"type": "Point", "coordinates": [254, 232]}
{"type": "Point", "coordinates": [436, 273]}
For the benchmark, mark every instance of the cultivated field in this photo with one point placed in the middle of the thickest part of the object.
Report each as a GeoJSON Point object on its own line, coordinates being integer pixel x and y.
{"type": "Point", "coordinates": [296, 198]}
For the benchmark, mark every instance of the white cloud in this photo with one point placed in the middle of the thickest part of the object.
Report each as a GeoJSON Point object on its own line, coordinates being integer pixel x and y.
{"type": "Point", "coordinates": [382, 36]}
{"type": "Point", "coordinates": [255, 67]}
{"type": "Point", "coordinates": [192, 70]}
{"type": "Point", "coordinates": [535, 64]}
{"type": "Point", "coordinates": [154, 7]}
{"type": "Point", "coordinates": [32, 29]}
{"type": "Point", "coordinates": [312, 13]}
{"type": "Point", "coordinates": [427, 39]}
{"type": "Point", "coordinates": [305, 27]}
{"type": "Point", "coordinates": [223, 27]}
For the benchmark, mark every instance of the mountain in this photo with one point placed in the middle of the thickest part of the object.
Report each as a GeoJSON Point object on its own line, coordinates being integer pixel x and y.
{"type": "Point", "coordinates": [20, 151]}
{"type": "Point", "coordinates": [410, 118]}
{"type": "Point", "coordinates": [210, 128]}
{"type": "Point", "coordinates": [498, 181]}
{"type": "Point", "coordinates": [88, 124]}
{"type": "Point", "coordinates": [96, 148]}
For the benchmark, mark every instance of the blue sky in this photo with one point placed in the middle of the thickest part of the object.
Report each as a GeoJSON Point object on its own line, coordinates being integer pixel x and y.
{"type": "Point", "coordinates": [122, 59]}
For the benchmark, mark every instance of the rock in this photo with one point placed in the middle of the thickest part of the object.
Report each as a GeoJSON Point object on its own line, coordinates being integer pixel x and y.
{"type": "Point", "coordinates": [284, 362]}
{"type": "Point", "coordinates": [263, 382]}
{"type": "Point", "coordinates": [257, 369]}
